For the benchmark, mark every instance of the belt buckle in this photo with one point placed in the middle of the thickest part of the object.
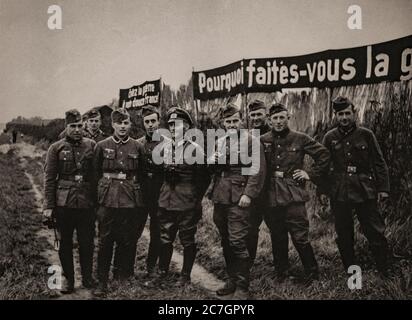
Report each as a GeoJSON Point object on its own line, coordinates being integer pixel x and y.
{"type": "Point", "coordinates": [150, 175]}
{"type": "Point", "coordinates": [121, 176]}
{"type": "Point", "coordinates": [279, 174]}
{"type": "Point", "coordinates": [78, 178]}
{"type": "Point", "coordinates": [222, 174]}
{"type": "Point", "coordinates": [351, 169]}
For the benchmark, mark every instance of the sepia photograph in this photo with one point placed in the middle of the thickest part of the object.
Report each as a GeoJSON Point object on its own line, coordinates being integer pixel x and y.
{"type": "Point", "coordinates": [201, 153]}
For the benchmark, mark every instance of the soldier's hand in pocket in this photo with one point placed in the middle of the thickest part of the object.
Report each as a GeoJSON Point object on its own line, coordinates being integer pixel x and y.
{"type": "Point", "coordinates": [244, 201]}
{"type": "Point", "coordinates": [47, 213]}
{"type": "Point", "coordinates": [300, 175]}
{"type": "Point", "coordinates": [323, 198]}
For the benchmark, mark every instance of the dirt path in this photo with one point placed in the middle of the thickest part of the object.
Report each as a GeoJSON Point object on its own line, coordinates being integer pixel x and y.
{"type": "Point", "coordinates": [200, 276]}
{"type": "Point", "coordinates": [25, 150]}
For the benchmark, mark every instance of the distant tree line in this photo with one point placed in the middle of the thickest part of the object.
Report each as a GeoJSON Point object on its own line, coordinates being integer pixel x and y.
{"type": "Point", "coordinates": [48, 132]}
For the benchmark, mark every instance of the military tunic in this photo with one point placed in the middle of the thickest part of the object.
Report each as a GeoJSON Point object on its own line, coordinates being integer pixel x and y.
{"type": "Point", "coordinates": [118, 167]}
{"type": "Point", "coordinates": [257, 213]}
{"type": "Point", "coordinates": [285, 152]}
{"type": "Point", "coordinates": [233, 221]}
{"type": "Point", "coordinates": [180, 202]}
{"type": "Point", "coordinates": [68, 190]}
{"type": "Point", "coordinates": [151, 184]}
{"type": "Point", "coordinates": [357, 173]}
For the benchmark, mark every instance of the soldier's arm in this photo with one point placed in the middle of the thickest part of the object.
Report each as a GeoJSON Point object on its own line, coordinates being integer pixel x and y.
{"type": "Point", "coordinates": [97, 166]}
{"type": "Point", "coordinates": [321, 155]}
{"type": "Point", "coordinates": [323, 181]}
{"type": "Point", "coordinates": [50, 177]}
{"type": "Point", "coordinates": [142, 162]}
{"type": "Point", "coordinates": [379, 165]}
{"type": "Point", "coordinates": [92, 176]}
{"type": "Point", "coordinates": [203, 177]}
{"type": "Point", "coordinates": [256, 181]}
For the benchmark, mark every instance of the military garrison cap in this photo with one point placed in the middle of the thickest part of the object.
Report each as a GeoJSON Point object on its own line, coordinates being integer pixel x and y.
{"type": "Point", "coordinates": [148, 110]}
{"type": "Point", "coordinates": [120, 115]}
{"type": "Point", "coordinates": [176, 113]}
{"type": "Point", "coordinates": [229, 110]}
{"type": "Point", "coordinates": [341, 103]}
{"type": "Point", "coordinates": [256, 105]}
{"type": "Point", "coordinates": [276, 108]}
{"type": "Point", "coordinates": [72, 116]}
{"type": "Point", "coordinates": [93, 114]}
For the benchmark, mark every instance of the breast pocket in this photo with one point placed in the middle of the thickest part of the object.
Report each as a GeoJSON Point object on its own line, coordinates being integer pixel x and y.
{"type": "Point", "coordinates": [295, 154]}
{"type": "Point", "coordinates": [362, 152]}
{"type": "Point", "coordinates": [66, 159]}
{"type": "Point", "coordinates": [133, 161]}
{"type": "Point", "coordinates": [108, 158]}
{"type": "Point", "coordinates": [267, 149]}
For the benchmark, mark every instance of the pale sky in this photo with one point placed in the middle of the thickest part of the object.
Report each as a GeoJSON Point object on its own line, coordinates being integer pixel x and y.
{"type": "Point", "coordinates": [106, 45]}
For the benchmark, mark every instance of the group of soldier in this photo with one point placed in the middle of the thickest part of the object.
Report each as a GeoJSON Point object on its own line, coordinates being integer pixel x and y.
{"type": "Point", "coordinates": [115, 180]}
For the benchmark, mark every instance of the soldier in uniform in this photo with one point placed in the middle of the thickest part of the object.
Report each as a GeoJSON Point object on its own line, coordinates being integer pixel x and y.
{"type": "Point", "coordinates": [69, 197]}
{"type": "Point", "coordinates": [358, 178]}
{"type": "Point", "coordinates": [152, 182]}
{"type": "Point", "coordinates": [121, 217]}
{"type": "Point", "coordinates": [180, 195]}
{"type": "Point", "coordinates": [285, 150]}
{"type": "Point", "coordinates": [93, 131]}
{"type": "Point", "coordinates": [257, 121]}
{"type": "Point", "coordinates": [233, 195]}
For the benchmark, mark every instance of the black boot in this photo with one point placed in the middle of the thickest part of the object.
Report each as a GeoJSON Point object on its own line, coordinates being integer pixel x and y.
{"type": "Point", "coordinates": [165, 257]}
{"type": "Point", "coordinates": [242, 279]}
{"type": "Point", "coordinates": [89, 282]}
{"type": "Point", "coordinates": [68, 285]}
{"type": "Point", "coordinates": [101, 290]}
{"type": "Point", "coordinates": [228, 288]}
{"type": "Point", "coordinates": [189, 255]}
{"type": "Point", "coordinates": [310, 278]}
{"type": "Point", "coordinates": [347, 254]}
{"type": "Point", "coordinates": [308, 259]}
{"type": "Point", "coordinates": [230, 284]}
{"type": "Point", "coordinates": [381, 259]}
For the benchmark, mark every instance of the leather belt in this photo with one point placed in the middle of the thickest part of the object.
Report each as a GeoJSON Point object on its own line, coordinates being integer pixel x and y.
{"type": "Point", "coordinates": [118, 176]}
{"type": "Point", "coordinates": [231, 172]}
{"type": "Point", "coordinates": [76, 178]}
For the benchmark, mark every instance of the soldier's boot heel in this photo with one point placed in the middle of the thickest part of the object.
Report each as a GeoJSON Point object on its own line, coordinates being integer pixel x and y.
{"type": "Point", "coordinates": [308, 259]}
{"type": "Point", "coordinates": [380, 254]}
{"type": "Point", "coordinates": [282, 271]}
{"type": "Point", "coordinates": [228, 288]}
{"type": "Point", "coordinates": [242, 279]}
{"type": "Point", "coordinates": [68, 286]}
{"type": "Point", "coordinates": [89, 282]}
{"type": "Point", "coordinates": [101, 290]}
{"type": "Point", "coordinates": [311, 278]}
